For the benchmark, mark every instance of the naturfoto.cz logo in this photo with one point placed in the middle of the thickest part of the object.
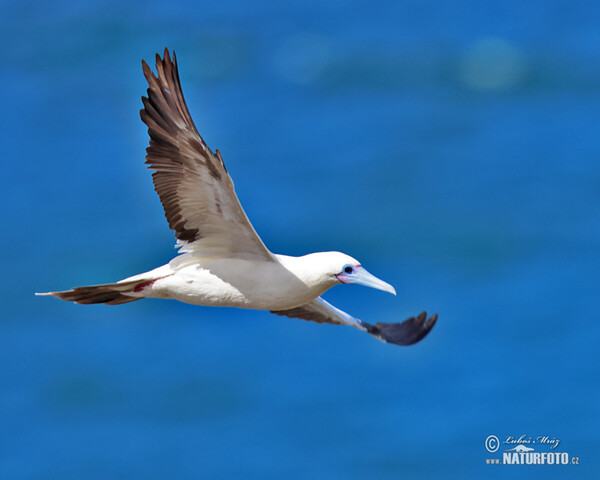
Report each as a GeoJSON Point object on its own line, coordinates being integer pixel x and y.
{"type": "Point", "coordinates": [523, 450]}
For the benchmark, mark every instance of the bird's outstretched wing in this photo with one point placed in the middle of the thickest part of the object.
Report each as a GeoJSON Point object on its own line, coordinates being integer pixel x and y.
{"type": "Point", "coordinates": [408, 332]}
{"type": "Point", "coordinates": [193, 185]}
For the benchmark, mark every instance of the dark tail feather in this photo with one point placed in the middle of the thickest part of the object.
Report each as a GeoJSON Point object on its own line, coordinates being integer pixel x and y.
{"type": "Point", "coordinates": [110, 294]}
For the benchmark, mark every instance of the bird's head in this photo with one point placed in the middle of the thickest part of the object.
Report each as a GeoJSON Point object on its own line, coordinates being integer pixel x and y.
{"type": "Point", "coordinates": [341, 268]}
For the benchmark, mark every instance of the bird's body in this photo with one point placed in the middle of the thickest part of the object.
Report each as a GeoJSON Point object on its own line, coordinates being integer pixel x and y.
{"type": "Point", "coordinates": [285, 282]}
{"type": "Point", "coordinates": [222, 261]}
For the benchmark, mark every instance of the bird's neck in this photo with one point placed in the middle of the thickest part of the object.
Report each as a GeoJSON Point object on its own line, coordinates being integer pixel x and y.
{"type": "Point", "coordinates": [309, 270]}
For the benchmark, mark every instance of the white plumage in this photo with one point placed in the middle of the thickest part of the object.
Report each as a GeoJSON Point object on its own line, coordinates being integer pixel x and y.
{"type": "Point", "coordinates": [222, 261]}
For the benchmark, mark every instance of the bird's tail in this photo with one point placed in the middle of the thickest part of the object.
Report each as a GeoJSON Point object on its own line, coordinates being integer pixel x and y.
{"type": "Point", "coordinates": [109, 293]}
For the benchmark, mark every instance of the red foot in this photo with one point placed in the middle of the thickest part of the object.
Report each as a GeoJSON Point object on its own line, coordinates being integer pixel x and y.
{"type": "Point", "coordinates": [140, 286]}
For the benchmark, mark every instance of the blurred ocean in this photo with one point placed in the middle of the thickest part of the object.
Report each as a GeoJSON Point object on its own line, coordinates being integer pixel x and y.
{"type": "Point", "coordinates": [452, 147]}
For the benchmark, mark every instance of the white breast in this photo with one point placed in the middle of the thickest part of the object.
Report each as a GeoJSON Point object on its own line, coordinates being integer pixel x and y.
{"type": "Point", "coordinates": [236, 283]}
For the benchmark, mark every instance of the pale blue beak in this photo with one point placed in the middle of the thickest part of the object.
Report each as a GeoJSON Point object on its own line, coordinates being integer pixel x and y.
{"type": "Point", "coordinates": [361, 277]}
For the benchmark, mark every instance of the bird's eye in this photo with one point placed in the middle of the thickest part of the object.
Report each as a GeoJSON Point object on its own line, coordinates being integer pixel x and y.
{"type": "Point", "coordinates": [348, 269]}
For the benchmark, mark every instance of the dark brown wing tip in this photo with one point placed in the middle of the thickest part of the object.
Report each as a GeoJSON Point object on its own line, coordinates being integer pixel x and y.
{"type": "Point", "coordinates": [167, 58]}
{"type": "Point", "coordinates": [147, 70]}
{"type": "Point", "coordinates": [408, 332]}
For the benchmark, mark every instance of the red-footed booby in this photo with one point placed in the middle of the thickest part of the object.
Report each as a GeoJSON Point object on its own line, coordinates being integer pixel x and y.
{"type": "Point", "coordinates": [222, 261]}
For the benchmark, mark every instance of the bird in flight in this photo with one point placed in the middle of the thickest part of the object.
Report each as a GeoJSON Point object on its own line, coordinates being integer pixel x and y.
{"type": "Point", "coordinates": [222, 261]}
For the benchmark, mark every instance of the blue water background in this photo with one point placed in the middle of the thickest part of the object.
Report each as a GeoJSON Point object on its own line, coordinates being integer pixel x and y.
{"type": "Point", "coordinates": [452, 147]}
